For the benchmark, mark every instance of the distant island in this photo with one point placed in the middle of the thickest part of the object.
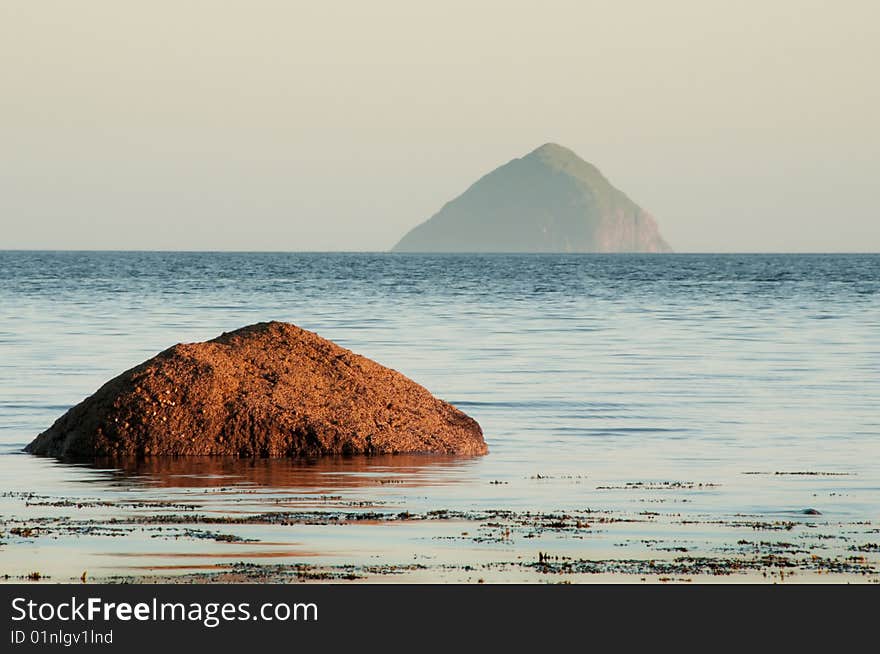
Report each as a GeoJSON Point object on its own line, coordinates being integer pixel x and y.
{"type": "Point", "coordinates": [550, 200]}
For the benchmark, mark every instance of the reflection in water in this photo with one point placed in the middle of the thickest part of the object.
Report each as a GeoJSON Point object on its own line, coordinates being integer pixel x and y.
{"type": "Point", "coordinates": [303, 475]}
{"type": "Point", "coordinates": [257, 554]}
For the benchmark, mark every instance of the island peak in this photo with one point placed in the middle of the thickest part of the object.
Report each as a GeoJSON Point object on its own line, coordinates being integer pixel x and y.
{"type": "Point", "coordinates": [549, 200]}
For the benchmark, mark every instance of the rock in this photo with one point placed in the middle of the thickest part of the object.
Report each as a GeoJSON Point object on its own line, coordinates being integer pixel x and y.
{"type": "Point", "coordinates": [550, 200]}
{"type": "Point", "coordinates": [266, 390]}
{"type": "Point", "coordinates": [811, 512]}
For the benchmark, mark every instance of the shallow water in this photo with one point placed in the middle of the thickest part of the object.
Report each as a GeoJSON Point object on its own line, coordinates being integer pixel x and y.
{"type": "Point", "coordinates": [642, 390]}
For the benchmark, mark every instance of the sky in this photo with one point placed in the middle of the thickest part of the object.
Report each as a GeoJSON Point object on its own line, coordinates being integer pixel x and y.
{"type": "Point", "coordinates": [260, 125]}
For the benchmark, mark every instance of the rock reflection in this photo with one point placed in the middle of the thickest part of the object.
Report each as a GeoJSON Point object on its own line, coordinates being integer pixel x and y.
{"type": "Point", "coordinates": [319, 473]}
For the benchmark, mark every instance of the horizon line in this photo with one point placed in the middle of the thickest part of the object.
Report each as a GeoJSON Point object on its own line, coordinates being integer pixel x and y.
{"type": "Point", "coordinates": [398, 253]}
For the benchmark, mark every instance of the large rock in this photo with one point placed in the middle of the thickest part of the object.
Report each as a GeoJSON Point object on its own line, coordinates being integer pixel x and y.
{"type": "Point", "coordinates": [550, 200]}
{"type": "Point", "coordinates": [271, 390]}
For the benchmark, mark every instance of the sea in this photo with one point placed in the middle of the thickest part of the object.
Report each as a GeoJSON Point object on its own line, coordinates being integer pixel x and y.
{"type": "Point", "coordinates": [648, 417]}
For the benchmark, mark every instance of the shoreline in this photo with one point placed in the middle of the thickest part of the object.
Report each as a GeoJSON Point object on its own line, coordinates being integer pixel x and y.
{"type": "Point", "coordinates": [180, 542]}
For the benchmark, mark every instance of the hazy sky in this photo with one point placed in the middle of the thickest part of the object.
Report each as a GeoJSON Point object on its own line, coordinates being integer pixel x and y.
{"type": "Point", "coordinates": [745, 126]}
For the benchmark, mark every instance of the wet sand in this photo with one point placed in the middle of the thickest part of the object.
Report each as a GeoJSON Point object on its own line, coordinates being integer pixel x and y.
{"type": "Point", "coordinates": [363, 520]}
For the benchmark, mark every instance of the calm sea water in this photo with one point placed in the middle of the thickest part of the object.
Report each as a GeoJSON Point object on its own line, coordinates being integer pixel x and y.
{"type": "Point", "coordinates": [591, 375]}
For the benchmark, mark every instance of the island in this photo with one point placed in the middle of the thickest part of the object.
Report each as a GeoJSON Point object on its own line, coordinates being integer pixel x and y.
{"type": "Point", "coordinates": [550, 200]}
